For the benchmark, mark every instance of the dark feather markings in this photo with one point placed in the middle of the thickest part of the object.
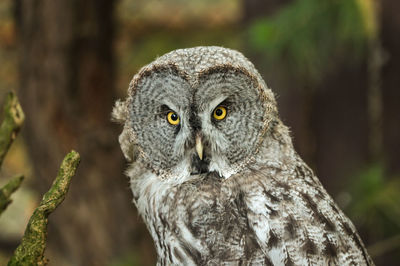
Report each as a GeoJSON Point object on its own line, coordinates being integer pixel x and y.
{"type": "Point", "coordinates": [291, 227]}
{"type": "Point", "coordinates": [310, 247]}
{"type": "Point", "coordinates": [274, 199]}
{"type": "Point", "coordinates": [269, 194]}
{"type": "Point", "coordinates": [335, 208]}
{"type": "Point", "coordinates": [288, 260]}
{"type": "Point", "coordinates": [194, 230]}
{"type": "Point", "coordinates": [329, 225]}
{"type": "Point", "coordinates": [273, 240]}
{"type": "Point", "coordinates": [158, 240]}
{"type": "Point", "coordinates": [251, 246]}
{"type": "Point", "coordinates": [329, 249]}
{"type": "Point", "coordinates": [191, 252]}
{"type": "Point", "coordinates": [272, 213]}
{"type": "Point", "coordinates": [310, 203]}
{"type": "Point", "coordinates": [169, 254]}
{"type": "Point", "coordinates": [268, 262]}
{"type": "Point", "coordinates": [320, 195]}
{"type": "Point", "coordinates": [178, 255]}
{"type": "Point", "coordinates": [347, 228]}
{"type": "Point", "coordinates": [283, 185]}
{"type": "Point", "coordinates": [357, 240]}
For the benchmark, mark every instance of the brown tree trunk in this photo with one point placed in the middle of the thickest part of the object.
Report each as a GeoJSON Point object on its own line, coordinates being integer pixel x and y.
{"type": "Point", "coordinates": [340, 125]}
{"type": "Point", "coordinates": [66, 89]}
{"type": "Point", "coordinates": [390, 32]}
{"type": "Point", "coordinates": [253, 9]}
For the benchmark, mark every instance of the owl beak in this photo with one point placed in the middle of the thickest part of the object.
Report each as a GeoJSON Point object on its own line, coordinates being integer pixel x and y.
{"type": "Point", "coordinates": [199, 147]}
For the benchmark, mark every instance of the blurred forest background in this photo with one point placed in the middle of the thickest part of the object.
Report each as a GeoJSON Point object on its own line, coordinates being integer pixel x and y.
{"type": "Point", "coordinates": [334, 66]}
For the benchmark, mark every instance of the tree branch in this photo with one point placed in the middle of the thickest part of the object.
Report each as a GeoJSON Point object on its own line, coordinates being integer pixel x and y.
{"type": "Point", "coordinates": [13, 119]}
{"type": "Point", "coordinates": [7, 190]}
{"type": "Point", "coordinates": [33, 244]}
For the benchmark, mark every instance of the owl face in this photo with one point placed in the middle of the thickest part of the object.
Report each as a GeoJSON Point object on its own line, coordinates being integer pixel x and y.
{"type": "Point", "coordinates": [211, 125]}
{"type": "Point", "coordinates": [196, 116]}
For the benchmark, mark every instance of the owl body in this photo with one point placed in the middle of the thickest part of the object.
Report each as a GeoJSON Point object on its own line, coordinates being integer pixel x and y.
{"type": "Point", "coordinates": [214, 173]}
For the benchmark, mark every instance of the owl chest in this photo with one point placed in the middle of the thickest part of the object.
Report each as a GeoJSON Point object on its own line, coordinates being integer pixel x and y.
{"type": "Point", "coordinates": [207, 229]}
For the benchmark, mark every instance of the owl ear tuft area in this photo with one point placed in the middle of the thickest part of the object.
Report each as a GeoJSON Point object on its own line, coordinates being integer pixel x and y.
{"type": "Point", "coordinates": [120, 112]}
{"type": "Point", "coordinates": [128, 147]}
{"type": "Point", "coordinates": [126, 139]}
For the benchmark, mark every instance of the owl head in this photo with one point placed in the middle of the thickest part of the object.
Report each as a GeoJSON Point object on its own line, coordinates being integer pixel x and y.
{"type": "Point", "coordinates": [194, 111]}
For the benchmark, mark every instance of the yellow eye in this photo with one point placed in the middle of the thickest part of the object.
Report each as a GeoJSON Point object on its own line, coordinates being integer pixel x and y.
{"type": "Point", "coordinates": [173, 118]}
{"type": "Point", "coordinates": [219, 113]}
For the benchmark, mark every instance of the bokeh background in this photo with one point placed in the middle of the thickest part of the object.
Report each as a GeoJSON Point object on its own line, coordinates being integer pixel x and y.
{"type": "Point", "coordinates": [334, 66]}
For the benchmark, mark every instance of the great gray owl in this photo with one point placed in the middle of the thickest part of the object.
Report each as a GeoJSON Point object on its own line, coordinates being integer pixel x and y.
{"type": "Point", "coordinates": [213, 170]}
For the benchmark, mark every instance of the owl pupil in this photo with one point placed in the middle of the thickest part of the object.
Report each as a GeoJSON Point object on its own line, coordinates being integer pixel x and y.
{"type": "Point", "coordinates": [174, 117]}
{"type": "Point", "coordinates": [218, 112]}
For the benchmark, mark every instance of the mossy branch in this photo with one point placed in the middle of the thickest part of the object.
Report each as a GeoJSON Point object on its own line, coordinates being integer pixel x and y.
{"type": "Point", "coordinates": [33, 244]}
{"type": "Point", "coordinates": [13, 120]}
{"type": "Point", "coordinates": [7, 190]}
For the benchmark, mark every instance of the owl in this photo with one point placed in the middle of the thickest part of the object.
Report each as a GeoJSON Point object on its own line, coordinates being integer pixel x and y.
{"type": "Point", "coordinates": [214, 173]}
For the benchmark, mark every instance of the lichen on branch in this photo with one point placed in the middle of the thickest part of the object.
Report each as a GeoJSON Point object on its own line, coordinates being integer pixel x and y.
{"type": "Point", "coordinates": [33, 244]}
{"type": "Point", "coordinates": [12, 122]}
{"type": "Point", "coordinates": [7, 190]}
{"type": "Point", "coordinates": [13, 119]}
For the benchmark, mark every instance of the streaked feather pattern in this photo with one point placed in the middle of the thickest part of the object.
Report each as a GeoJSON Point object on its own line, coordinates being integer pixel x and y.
{"type": "Point", "coordinates": [251, 200]}
{"type": "Point", "coordinates": [270, 216]}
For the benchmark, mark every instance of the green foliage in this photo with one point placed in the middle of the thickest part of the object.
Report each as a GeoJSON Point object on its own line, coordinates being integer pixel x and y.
{"type": "Point", "coordinates": [375, 205]}
{"type": "Point", "coordinates": [310, 35]}
{"type": "Point", "coordinates": [376, 201]}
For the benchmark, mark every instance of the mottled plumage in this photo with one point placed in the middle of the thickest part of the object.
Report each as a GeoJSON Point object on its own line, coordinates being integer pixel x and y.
{"type": "Point", "coordinates": [248, 198]}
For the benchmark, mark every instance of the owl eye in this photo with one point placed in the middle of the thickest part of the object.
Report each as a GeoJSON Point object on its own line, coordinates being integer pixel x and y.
{"type": "Point", "coordinates": [219, 113]}
{"type": "Point", "coordinates": [173, 118]}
